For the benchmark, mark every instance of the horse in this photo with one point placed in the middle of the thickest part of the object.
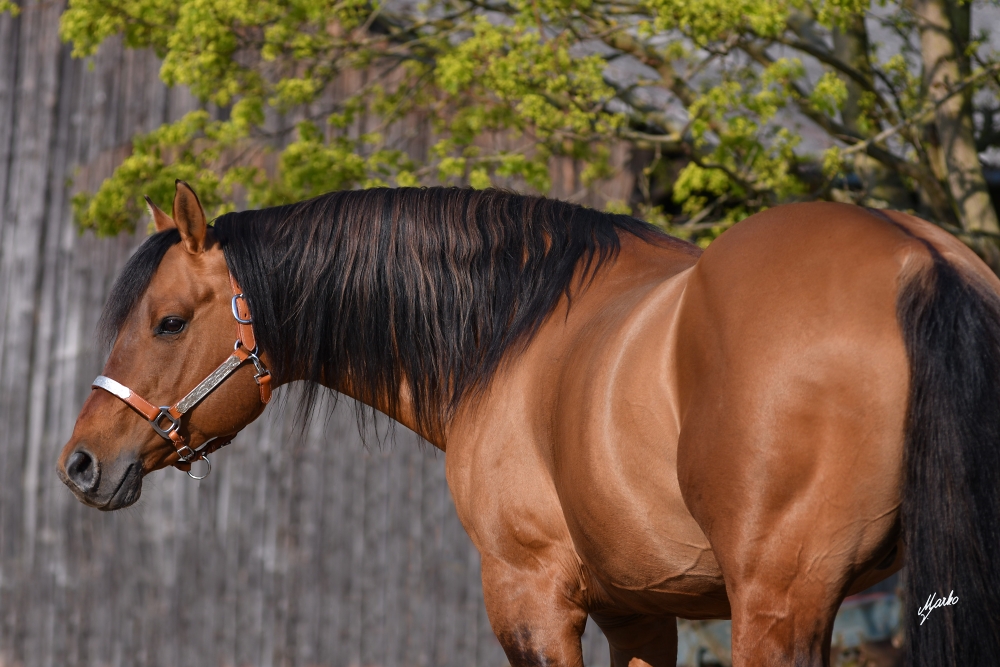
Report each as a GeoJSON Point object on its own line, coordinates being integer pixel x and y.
{"type": "Point", "coordinates": [634, 430]}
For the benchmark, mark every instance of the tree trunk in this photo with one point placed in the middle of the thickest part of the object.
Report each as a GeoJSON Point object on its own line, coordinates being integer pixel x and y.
{"type": "Point", "coordinates": [883, 186]}
{"type": "Point", "coordinates": [944, 31]}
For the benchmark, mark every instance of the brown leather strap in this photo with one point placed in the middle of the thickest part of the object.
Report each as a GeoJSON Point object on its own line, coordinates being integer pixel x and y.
{"type": "Point", "coordinates": [144, 407]}
{"type": "Point", "coordinates": [244, 320]}
{"type": "Point", "coordinates": [264, 382]}
{"type": "Point", "coordinates": [263, 376]}
{"type": "Point", "coordinates": [248, 340]}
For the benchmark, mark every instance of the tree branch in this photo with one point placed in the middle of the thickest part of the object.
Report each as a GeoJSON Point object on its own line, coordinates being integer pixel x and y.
{"type": "Point", "coordinates": [827, 58]}
{"type": "Point", "coordinates": [924, 116]}
{"type": "Point", "coordinates": [937, 196]}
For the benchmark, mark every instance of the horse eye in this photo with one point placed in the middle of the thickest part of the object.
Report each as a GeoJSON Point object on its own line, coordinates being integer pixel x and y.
{"type": "Point", "coordinates": [171, 325]}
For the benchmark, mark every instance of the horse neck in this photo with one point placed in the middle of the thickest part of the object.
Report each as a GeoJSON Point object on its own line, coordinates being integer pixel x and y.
{"type": "Point", "coordinates": [404, 413]}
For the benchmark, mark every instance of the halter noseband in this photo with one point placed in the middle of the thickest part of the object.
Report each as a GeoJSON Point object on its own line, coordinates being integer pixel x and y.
{"type": "Point", "coordinates": [166, 420]}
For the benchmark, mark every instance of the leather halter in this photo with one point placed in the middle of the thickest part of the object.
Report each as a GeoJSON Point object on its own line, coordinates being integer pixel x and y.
{"type": "Point", "coordinates": [166, 420]}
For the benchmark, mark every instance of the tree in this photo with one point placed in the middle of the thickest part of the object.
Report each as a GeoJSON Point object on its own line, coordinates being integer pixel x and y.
{"type": "Point", "coordinates": [710, 86]}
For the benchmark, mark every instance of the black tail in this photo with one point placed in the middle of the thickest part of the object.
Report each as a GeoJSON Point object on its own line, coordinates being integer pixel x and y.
{"type": "Point", "coordinates": [951, 497]}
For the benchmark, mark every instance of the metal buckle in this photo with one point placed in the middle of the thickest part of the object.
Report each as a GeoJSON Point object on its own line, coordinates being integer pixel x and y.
{"type": "Point", "coordinates": [185, 457]}
{"type": "Point", "coordinates": [258, 366]}
{"type": "Point", "coordinates": [188, 457]}
{"type": "Point", "coordinates": [236, 310]}
{"type": "Point", "coordinates": [175, 423]}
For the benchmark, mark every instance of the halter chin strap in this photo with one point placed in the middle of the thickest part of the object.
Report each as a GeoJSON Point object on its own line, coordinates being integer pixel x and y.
{"type": "Point", "coordinates": [166, 420]}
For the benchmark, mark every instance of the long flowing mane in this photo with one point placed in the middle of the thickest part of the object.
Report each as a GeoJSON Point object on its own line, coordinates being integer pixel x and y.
{"type": "Point", "coordinates": [430, 288]}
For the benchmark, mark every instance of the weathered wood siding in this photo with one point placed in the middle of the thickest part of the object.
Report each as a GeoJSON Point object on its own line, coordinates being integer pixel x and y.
{"type": "Point", "coordinates": [296, 551]}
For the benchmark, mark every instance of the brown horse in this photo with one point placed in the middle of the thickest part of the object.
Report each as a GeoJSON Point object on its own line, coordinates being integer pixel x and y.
{"type": "Point", "coordinates": [635, 430]}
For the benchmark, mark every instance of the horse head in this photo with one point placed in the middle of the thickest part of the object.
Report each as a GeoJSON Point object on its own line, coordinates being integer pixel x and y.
{"type": "Point", "coordinates": [171, 316]}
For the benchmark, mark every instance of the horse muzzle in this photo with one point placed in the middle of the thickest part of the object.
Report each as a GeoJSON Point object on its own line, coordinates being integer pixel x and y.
{"type": "Point", "coordinates": [107, 486]}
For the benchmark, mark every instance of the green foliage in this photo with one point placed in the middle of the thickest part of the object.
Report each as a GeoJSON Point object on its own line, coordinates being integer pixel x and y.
{"type": "Point", "coordinates": [829, 94]}
{"type": "Point", "coordinates": [503, 77]}
{"type": "Point", "coordinates": [499, 89]}
{"type": "Point", "coordinates": [618, 206]}
{"type": "Point", "coordinates": [750, 156]}
{"type": "Point", "coordinates": [709, 21]}
{"type": "Point", "coordinates": [158, 159]}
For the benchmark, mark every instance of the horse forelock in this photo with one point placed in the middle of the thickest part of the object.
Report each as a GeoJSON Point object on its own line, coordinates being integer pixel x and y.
{"type": "Point", "coordinates": [431, 287]}
{"type": "Point", "coordinates": [132, 283]}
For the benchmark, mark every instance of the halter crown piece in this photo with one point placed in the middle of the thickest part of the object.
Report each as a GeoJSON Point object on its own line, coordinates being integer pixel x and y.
{"type": "Point", "coordinates": [166, 420]}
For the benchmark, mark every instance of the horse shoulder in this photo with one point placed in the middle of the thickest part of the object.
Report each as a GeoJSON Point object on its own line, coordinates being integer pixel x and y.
{"type": "Point", "coordinates": [579, 438]}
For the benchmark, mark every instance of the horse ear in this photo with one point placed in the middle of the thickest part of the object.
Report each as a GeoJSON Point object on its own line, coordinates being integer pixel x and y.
{"type": "Point", "coordinates": [161, 220]}
{"type": "Point", "coordinates": [190, 218]}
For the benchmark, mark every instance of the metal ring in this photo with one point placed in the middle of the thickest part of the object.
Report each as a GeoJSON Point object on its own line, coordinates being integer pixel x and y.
{"type": "Point", "coordinates": [207, 472]}
{"type": "Point", "coordinates": [250, 353]}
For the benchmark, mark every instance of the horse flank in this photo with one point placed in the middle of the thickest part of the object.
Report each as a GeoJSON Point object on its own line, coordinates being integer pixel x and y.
{"type": "Point", "coordinates": [371, 289]}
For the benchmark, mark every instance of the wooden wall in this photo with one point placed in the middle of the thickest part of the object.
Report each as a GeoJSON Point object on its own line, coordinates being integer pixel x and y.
{"type": "Point", "coordinates": [296, 551]}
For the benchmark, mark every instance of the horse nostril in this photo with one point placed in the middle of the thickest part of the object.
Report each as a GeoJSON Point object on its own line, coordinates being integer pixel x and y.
{"type": "Point", "coordinates": [82, 471]}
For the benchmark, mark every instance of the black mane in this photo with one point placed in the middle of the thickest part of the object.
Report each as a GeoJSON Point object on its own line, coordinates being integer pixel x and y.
{"type": "Point", "coordinates": [132, 282]}
{"type": "Point", "coordinates": [373, 288]}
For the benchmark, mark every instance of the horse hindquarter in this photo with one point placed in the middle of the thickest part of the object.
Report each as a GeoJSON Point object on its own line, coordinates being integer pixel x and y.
{"type": "Point", "coordinates": [793, 380]}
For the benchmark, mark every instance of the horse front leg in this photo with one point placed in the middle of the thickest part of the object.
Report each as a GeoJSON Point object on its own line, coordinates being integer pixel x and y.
{"type": "Point", "coordinates": [534, 610]}
{"type": "Point", "coordinates": [638, 640]}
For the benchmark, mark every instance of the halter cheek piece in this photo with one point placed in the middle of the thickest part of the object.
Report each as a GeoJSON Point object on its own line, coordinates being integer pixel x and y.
{"type": "Point", "coordinates": [166, 420]}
